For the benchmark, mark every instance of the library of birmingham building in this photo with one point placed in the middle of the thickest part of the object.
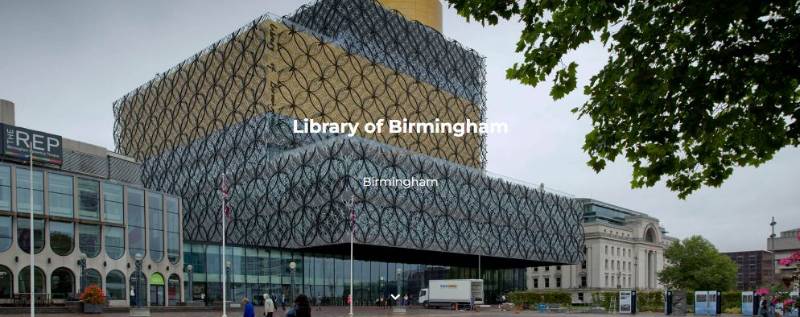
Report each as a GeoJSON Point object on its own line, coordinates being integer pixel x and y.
{"type": "Point", "coordinates": [230, 109]}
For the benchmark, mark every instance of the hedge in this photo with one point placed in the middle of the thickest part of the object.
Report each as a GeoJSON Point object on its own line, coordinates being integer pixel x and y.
{"type": "Point", "coordinates": [654, 301]}
{"type": "Point", "coordinates": [532, 299]}
{"type": "Point", "coordinates": [645, 301]}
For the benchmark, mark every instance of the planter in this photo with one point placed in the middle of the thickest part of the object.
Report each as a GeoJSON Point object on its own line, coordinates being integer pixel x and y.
{"type": "Point", "coordinates": [92, 308]}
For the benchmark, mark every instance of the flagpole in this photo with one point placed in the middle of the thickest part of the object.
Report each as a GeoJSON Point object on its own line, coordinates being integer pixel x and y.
{"type": "Point", "coordinates": [352, 229]}
{"type": "Point", "coordinates": [30, 249]}
{"type": "Point", "coordinates": [224, 274]}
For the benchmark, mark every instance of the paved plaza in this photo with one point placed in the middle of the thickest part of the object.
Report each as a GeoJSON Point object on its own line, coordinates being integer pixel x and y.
{"type": "Point", "coordinates": [363, 312]}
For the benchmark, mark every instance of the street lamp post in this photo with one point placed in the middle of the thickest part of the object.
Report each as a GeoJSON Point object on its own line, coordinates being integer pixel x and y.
{"type": "Point", "coordinates": [292, 268]}
{"type": "Point", "coordinates": [82, 265]}
{"type": "Point", "coordinates": [227, 276]}
{"type": "Point", "coordinates": [380, 288]}
{"type": "Point", "coordinates": [138, 262]}
{"type": "Point", "coordinates": [190, 291]}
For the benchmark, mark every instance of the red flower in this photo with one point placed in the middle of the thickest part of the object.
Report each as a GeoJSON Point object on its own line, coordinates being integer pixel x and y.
{"type": "Point", "coordinates": [762, 291]}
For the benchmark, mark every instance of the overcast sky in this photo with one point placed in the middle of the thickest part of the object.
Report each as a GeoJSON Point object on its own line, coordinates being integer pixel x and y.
{"type": "Point", "coordinates": [64, 62]}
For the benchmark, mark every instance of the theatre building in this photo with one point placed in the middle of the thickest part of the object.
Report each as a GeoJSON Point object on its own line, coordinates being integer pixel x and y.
{"type": "Point", "coordinates": [227, 113]}
{"type": "Point", "coordinates": [91, 216]}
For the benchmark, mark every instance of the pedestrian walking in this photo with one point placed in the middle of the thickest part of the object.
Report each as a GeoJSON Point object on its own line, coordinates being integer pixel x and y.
{"type": "Point", "coordinates": [318, 302]}
{"type": "Point", "coordinates": [249, 310]}
{"type": "Point", "coordinates": [269, 306]}
{"type": "Point", "coordinates": [283, 302]}
{"type": "Point", "coordinates": [301, 308]}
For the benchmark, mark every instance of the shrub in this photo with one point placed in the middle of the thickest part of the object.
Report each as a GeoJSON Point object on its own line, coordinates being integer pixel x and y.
{"type": "Point", "coordinates": [93, 294]}
{"type": "Point", "coordinates": [532, 299]}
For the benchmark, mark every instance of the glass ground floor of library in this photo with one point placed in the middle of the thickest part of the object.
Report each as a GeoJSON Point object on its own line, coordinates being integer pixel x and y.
{"type": "Point", "coordinates": [252, 272]}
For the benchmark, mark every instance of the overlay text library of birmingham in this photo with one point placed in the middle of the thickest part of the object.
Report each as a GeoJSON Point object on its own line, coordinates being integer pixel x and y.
{"type": "Point", "coordinates": [457, 129]}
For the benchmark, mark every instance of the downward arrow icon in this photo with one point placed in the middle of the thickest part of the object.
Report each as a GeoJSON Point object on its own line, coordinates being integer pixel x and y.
{"type": "Point", "coordinates": [395, 297]}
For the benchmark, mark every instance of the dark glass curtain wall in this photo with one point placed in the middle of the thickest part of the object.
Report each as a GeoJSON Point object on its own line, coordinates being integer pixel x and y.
{"type": "Point", "coordinates": [253, 272]}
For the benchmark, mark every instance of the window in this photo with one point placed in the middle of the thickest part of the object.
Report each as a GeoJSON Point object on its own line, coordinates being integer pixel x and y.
{"type": "Point", "coordinates": [61, 236]}
{"type": "Point", "coordinates": [23, 234]}
{"type": "Point", "coordinates": [606, 250]}
{"type": "Point", "coordinates": [546, 282]}
{"type": "Point", "coordinates": [62, 283]}
{"type": "Point", "coordinates": [6, 282]}
{"type": "Point", "coordinates": [114, 238]}
{"type": "Point", "coordinates": [59, 195]}
{"type": "Point", "coordinates": [89, 239]}
{"type": "Point", "coordinates": [536, 269]}
{"type": "Point", "coordinates": [535, 282]}
{"type": "Point", "coordinates": [606, 281]}
{"type": "Point", "coordinates": [112, 203]}
{"type": "Point", "coordinates": [23, 190]}
{"type": "Point", "coordinates": [583, 264]}
{"type": "Point", "coordinates": [136, 222]}
{"type": "Point", "coordinates": [5, 187]}
{"type": "Point", "coordinates": [115, 285]}
{"type": "Point", "coordinates": [25, 280]}
{"type": "Point", "coordinates": [155, 212]}
{"type": "Point", "coordinates": [173, 289]}
{"type": "Point", "coordinates": [580, 297]}
{"type": "Point", "coordinates": [93, 277]}
{"type": "Point", "coordinates": [606, 265]}
{"type": "Point", "coordinates": [173, 230]}
{"type": "Point", "coordinates": [583, 281]}
{"type": "Point", "coordinates": [558, 282]}
{"type": "Point", "coordinates": [558, 267]}
{"type": "Point", "coordinates": [88, 199]}
{"type": "Point", "coordinates": [6, 235]}
{"type": "Point", "coordinates": [547, 268]}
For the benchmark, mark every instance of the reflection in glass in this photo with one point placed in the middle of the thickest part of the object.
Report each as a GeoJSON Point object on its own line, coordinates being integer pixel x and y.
{"type": "Point", "coordinates": [88, 199]}
{"type": "Point", "coordinates": [25, 280]}
{"type": "Point", "coordinates": [6, 282]}
{"type": "Point", "coordinates": [112, 203]}
{"type": "Point", "coordinates": [93, 277]}
{"type": "Point", "coordinates": [6, 234]}
{"type": "Point", "coordinates": [59, 195]}
{"type": "Point", "coordinates": [23, 190]}
{"type": "Point", "coordinates": [62, 283]}
{"type": "Point", "coordinates": [89, 239]}
{"type": "Point", "coordinates": [23, 235]}
{"type": "Point", "coordinates": [173, 230]}
{"type": "Point", "coordinates": [156, 217]}
{"type": "Point", "coordinates": [115, 285]}
{"type": "Point", "coordinates": [62, 235]}
{"type": "Point", "coordinates": [136, 238]}
{"type": "Point", "coordinates": [114, 238]}
{"type": "Point", "coordinates": [5, 187]}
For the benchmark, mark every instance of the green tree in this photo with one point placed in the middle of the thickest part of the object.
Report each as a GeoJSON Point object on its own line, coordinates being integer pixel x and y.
{"type": "Point", "coordinates": [695, 264]}
{"type": "Point", "coordinates": [690, 90]}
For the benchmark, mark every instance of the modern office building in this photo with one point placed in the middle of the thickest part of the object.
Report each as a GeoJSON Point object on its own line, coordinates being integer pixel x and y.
{"type": "Point", "coordinates": [92, 215]}
{"type": "Point", "coordinates": [754, 269]}
{"type": "Point", "coordinates": [229, 110]}
{"type": "Point", "coordinates": [624, 249]}
{"type": "Point", "coordinates": [783, 246]}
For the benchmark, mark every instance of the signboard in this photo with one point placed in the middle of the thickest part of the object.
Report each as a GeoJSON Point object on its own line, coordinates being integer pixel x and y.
{"type": "Point", "coordinates": [705, 303]}
{"type": "Point", "coordinates": [625, 302]}
{"type": "Point", "coordinates": [748, 298]}
{"type": "Point", "coordinates": [16, 144]}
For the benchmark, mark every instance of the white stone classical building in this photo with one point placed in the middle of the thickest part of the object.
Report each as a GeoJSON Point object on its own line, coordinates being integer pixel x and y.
{"type": "Point", "coordinates": [624, 250]}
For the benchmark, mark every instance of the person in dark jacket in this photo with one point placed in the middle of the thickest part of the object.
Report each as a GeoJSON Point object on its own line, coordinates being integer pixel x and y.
{"type": "Point", "coordinates": [249, 310]}
{"type": "Point", "coordinates": [301, 308]}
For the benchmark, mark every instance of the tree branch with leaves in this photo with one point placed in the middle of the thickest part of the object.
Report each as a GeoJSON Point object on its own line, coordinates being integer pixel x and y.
{"type": "Point", "coordinates": [690, 90]}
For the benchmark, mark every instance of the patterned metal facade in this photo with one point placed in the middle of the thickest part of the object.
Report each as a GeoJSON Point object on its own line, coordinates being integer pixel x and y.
{"type": "Point", "coordinates": [230, 108]}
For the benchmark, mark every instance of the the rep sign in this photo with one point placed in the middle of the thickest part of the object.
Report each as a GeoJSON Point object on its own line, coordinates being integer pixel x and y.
{"type": "Point", "coordinates": [18, 144]}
